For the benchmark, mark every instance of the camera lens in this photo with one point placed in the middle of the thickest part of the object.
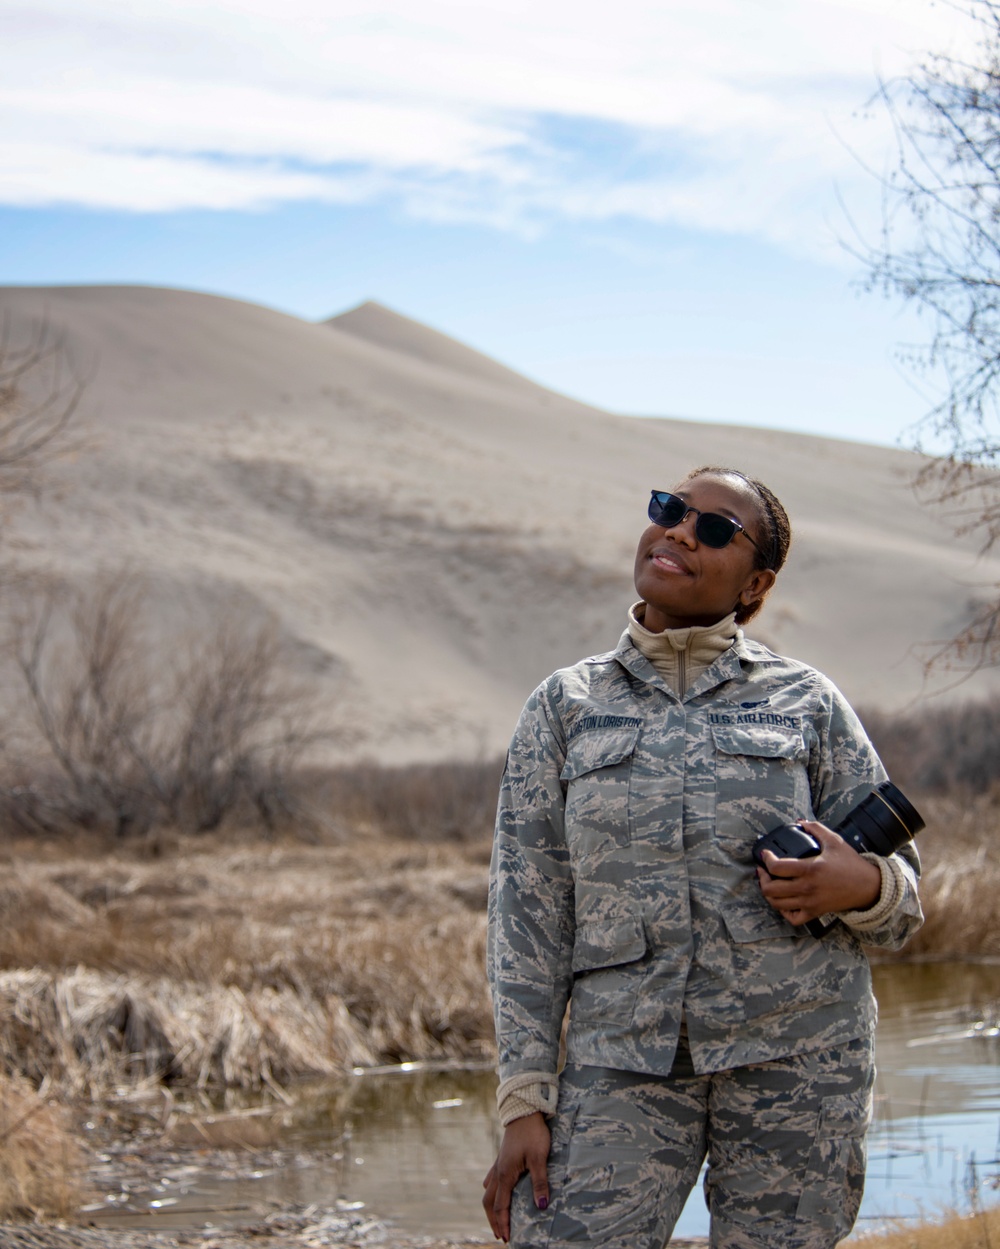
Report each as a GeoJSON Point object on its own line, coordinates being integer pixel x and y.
{"type": "Point", "coordinates": [882, 822]}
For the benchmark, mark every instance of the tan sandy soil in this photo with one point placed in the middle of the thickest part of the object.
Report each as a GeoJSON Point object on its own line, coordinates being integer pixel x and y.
{"type": "Point", "coordinates": [433, 533]}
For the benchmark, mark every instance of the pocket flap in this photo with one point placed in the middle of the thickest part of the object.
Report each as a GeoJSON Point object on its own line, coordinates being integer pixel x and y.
{"type": "Point", "coordinates": [763, 741]}
{"type": "Point", "coordinates": [594, 749]}
{"type": "Point", "coordinates": [608, 942]}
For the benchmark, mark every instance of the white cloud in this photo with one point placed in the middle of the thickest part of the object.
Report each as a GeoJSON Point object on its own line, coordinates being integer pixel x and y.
{"type": "Point", "coordinates": [63, 174]}
{"type": "Point", "coordinates": [733, 115]}
{"type": "Point", "coordinates": [249, 121]}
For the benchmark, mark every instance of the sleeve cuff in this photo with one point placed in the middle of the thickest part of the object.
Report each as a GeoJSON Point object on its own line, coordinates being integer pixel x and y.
{"type": "Point", "coordinates": [525, 1094]}
{"type": "Point", "coordinates": [893, 889]}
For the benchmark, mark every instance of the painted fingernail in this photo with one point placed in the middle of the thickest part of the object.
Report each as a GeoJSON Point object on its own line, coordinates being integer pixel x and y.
{"type": "Point", "coordinates": [543, 1203]}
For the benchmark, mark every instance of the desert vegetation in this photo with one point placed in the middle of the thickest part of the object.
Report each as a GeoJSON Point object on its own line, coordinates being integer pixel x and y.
{"type": "Point", "coordinates": [122, 727]}
{"type": "Point", "coordinates": [938, 251]}
{"type": "Point", "coordinates": [977, 1231]}
{"type": "Point", "coordinates": [133, 952]}
{"type": "Point", "coordinates": [148, 959]}
{"type": "Point", "coordinates": [947, 759]}
{"type": "Point", "coordinates": [147, 971]}
{"type": "Point", "coordinates": [235, 964]}
{"type": "Point", "coordinates": [39, 393]}
{"type": "Point", "coordinates": [41, 1159]}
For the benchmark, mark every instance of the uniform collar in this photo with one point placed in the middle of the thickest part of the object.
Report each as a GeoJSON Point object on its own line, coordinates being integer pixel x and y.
{"type": "Point", "coordinates": [730, 666]}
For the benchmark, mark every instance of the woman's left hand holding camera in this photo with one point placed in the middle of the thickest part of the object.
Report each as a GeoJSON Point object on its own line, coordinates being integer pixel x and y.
{"type": "Point", "coordinates": [837, 879]}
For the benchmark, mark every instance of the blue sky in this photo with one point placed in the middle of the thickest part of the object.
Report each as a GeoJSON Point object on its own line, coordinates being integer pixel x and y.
{"type": "Point", "coordinates": [643, 205]}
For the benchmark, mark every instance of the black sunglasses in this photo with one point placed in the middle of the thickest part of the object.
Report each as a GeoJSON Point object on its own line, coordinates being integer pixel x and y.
{"type": "Point", "coordinates": [714, 530]}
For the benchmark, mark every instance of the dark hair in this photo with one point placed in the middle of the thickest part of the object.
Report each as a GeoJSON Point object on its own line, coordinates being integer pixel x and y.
{"type": "Point", "coordinates": [774, 544]}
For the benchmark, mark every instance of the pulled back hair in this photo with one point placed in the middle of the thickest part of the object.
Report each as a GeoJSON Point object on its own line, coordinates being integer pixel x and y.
{"type": "Point", "coordinates": [776, 529]}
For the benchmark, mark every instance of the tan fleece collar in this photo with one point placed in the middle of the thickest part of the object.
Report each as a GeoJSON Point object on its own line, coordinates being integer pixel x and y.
{"type": "Point", "coordinates": [680, 656]}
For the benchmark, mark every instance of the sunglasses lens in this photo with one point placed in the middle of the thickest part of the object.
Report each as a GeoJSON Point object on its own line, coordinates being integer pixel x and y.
{"type": "Point", "coordinates": [666, 510]}
{"type": "Point", "coordinates": [715, 530]}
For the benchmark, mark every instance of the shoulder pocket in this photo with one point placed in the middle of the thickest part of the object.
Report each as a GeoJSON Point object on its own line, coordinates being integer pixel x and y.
{"type": "Point", "coordinates": [595, 749]}
{"type": "Point", "coordinates": [596, 779]}
{"type": "Point", "coordinates": [761, 741]}
{"type": "Point", "coordinates": [761, 781]}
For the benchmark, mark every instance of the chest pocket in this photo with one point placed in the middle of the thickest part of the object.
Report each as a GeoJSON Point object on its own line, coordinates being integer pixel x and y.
{"type": "Point", "coordinates": [596, 779]}
{"type": "Point", "coordinates": [761, 782]}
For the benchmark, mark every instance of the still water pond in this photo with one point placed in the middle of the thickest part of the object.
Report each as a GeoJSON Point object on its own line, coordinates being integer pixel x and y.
{"type": "Point", "coordinates": [412, 1146]}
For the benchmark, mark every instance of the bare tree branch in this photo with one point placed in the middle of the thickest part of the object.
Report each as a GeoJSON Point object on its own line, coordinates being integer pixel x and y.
{"type": "Point", "coordinates": [940, 251]}
{"type": "Point", "coordinates": [39, 395]}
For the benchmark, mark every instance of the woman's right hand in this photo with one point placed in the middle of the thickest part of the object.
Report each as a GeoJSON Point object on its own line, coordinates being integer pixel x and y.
{"type": "Point", "coordinates": [525, 1147]}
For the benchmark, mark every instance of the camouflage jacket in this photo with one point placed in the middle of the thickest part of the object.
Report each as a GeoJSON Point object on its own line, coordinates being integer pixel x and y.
{"type": "Point", "coordinates": [622, 878]}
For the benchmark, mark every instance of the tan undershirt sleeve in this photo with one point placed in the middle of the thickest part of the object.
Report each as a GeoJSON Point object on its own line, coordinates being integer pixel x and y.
{"type": "Point", "coordinates": [525, 1094]}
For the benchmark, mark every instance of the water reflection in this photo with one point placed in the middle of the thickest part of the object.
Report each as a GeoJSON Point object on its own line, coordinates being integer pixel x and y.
{"type": "Point", "coordinates": [413, 1146]}
{"type": "Point", "coordinates": [416, 1147]}
{"type": "Point", "coordinates": [935, 1144]}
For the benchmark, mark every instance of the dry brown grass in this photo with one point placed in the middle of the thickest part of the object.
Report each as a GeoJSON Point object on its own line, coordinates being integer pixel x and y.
{"type": "Point", "coordinates": [977, 1231]}
{"type": "Point", "coordinates": [41, 1162]}
{"type": "Point", "coordinates": [947, 759]}
{"type": "Point", "coordinates": [213, 962]}
{"type": "Point", "coordinates": [961, 876]}
{"type": "Point", "coordinates": [453, 801]}
{"type": "Point", "coordinates": [228, 965]}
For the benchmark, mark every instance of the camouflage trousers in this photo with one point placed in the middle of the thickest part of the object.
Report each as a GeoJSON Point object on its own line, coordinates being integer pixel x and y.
{"type": "Point", "coordinates": [785, 1143]}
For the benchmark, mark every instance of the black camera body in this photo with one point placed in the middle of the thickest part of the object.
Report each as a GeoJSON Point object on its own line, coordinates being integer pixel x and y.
{"type": "Point", "coordinates": [879, 824]}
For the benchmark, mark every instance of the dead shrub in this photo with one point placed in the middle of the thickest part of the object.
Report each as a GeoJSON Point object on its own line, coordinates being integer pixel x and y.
{"type": "Point", "coordinates": [947, 760]}
{"type": "Point", "coordinates": [953, 748]}
{"type": "Point", "coordinates": [454, 801]}
{"type": "Point", "coordinates": [92, 1033]}
{"type": "Point", "coordinates": [39, 394]}
{"type": "Point", "coordinates": [960, 878]}
{"type": "Point", "coordinates": [41, 1160]}
{"type": "Point", "coordinates": [85, 1031]}
{"type": "Point", "coordinates": [131, 735]}
{"type": "Point", "coordinates": [243, 966]}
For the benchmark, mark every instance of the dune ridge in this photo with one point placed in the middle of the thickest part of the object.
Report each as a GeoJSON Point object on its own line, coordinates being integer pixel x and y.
{"type": "Point", "coordinates": [431, 532]}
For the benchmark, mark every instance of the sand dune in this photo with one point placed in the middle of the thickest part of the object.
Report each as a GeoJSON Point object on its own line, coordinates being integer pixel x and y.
{"type": "Point", "coordinates": [434, 532]}
{"type": "Point", "coordinates": [374, 323]}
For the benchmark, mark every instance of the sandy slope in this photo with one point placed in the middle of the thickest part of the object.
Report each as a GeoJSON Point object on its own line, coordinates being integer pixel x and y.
{"type": "Point", "coordinates": [435, 532]}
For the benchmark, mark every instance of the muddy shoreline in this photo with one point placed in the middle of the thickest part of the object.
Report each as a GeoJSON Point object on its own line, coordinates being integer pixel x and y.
{"type": "Point", "coordinates": [292, 1228]}
{"type": "Point", "coordinates": [120, 1168]}
{"type": "Point", "coordinates": [285, 1229]}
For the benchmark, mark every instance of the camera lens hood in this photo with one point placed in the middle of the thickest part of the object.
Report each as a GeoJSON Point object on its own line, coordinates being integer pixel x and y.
{"type": "Point", "coordinates": [903, 809]}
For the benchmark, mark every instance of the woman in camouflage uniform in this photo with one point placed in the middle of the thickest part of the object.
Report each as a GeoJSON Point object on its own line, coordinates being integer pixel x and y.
{"type": "Point", "coordinates": [705, 1021]}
